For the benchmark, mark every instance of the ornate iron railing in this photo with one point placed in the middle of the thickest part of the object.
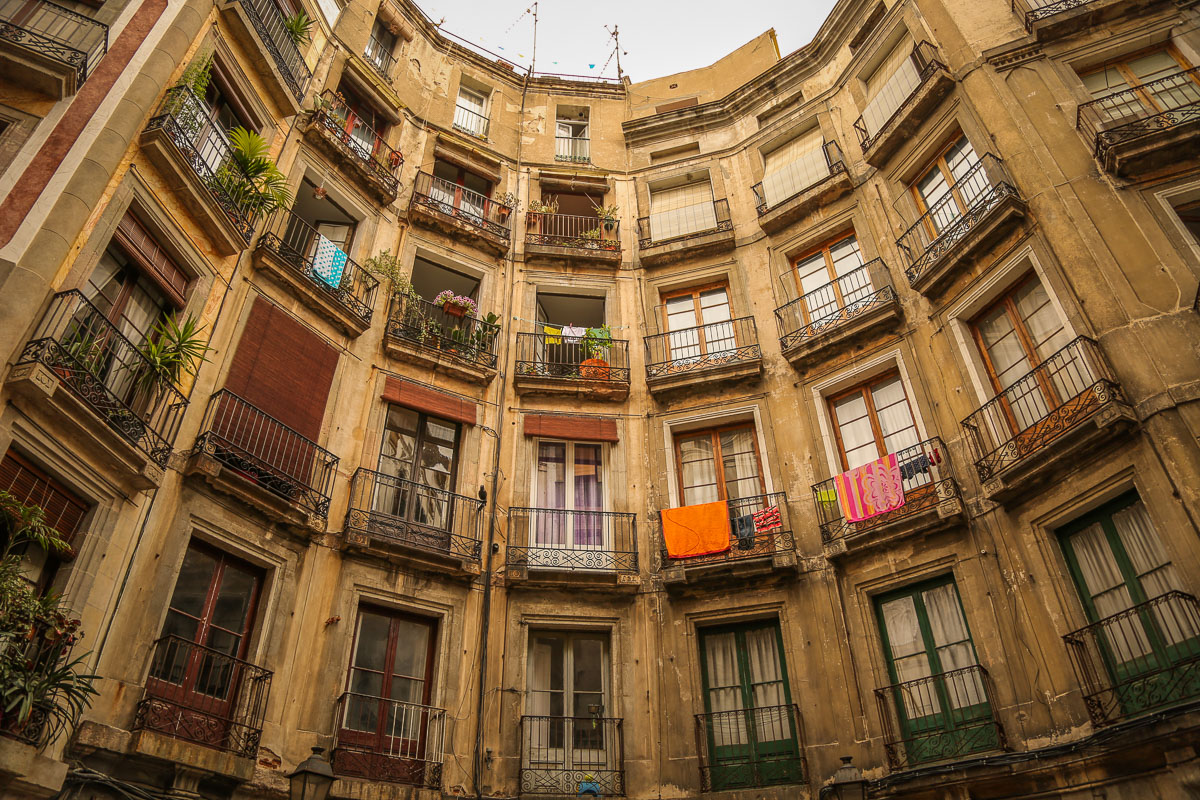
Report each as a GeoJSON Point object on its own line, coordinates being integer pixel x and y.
{"type": "Point", "coordinates": [431, 327]}
{"type": "Point", "coordinates": [1052, 399]}
{"type": "Point", "coordinates": [205, 696]}
{"type": "Point", "coordinates": [379, 57]}
{"type": "Point", "coordinates": [799, 176]}
{"type": "Point", "coordinates": [751, 747]}
{"type": "Point", "coordinates": [414, 515]}
{"type": "Point", "coordinates": [459, 202]}
{"type": "Point", "coordinates": [109, 373]}
{"type": "Point", "coordinates": [939, 718]}
{"type": "Point", "coordinates": [268, 21]}
{"type": "Point", "coordinates": [904, 84]}
{"type": "Point", "coordinates": [572, 148]}
{"type": "Point", "coordinates": [1142, 659]}
{"type": "Point", "coordinates": [1140, 110]}
{"type": "Point", "coordinates": [540, 355]}
{"type": "Point", "coordinates": [470, 122]}
{"type": "Point", "coordinates": [357, 140]}
{"type": "Point", "coordinates": [749, 538]}
{"type": "Point", "coordinates": [572, 541]}
{"type": "Point", "coordinates": [266, 452]}
{"type": "Point", "coordinates": [201, 139]}
{"type": "Point", "coordinates": [570, 230]}
{"type": "Point", "coordinates": [1031, 11]}
{"type": "Point", "coordinates": [322, 262]}
{"type": "Point", "coordinates": [44, 648]}
{"type": "Point", "coordinates": [685, 223]}
{"type": "Point", "coordinates": [572, 756]}
{"type": "Point", "coordinates": [829, 307]}
{"type": "Point", "coordinates": [925, 476]}
{"type": "Point", "coordinates": [387, 740]}
{"type": "Point", "coordinates": [947, 222]}
{"type": "Point", "coordinates": [716, 344]}
{"type": "Point", "coordinates": [55, 31]}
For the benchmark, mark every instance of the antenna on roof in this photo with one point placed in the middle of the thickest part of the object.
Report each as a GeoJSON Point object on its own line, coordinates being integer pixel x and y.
{"type": "Point", "coordinates": [616, 37]}
{"type": "Point", "coordinates": [533, 54]}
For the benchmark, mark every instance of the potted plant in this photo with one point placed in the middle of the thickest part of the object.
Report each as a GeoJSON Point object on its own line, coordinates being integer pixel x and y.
{"type": "Point", "coordinates": [537, 208]}
{"type": "Point", "coordinates": [250, 177]}
{"type": "Point", "coordinates": [596, 343]}
{"type": "Point", "coordinates": [505, 205]}
{"type": "Point", "coordinates": [456, 305]}
{"type": "Point", "coordinates": [299, 28]}
{"type": "Point", "coordinates": [608, 220]}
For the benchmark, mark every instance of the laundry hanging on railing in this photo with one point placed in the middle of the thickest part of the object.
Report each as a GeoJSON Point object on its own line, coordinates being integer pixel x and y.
{"type": "Point", "coordinates": [870, 490]}
{"type": "Point", "coordinates": [572, 334]}
{"type": "Point", "coordinates": [329, 262]}
{"type": "Point", "coordinates": [698, 530]}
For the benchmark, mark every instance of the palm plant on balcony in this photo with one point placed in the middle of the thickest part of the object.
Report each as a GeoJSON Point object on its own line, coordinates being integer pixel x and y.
{"type": "Point", "coordinates": [596, 343]}
{"type": "Point", "coordinates": [170, 353]}
{"type": "Point", "coordinates": [250, 176]}
{"type": "Point", "coordinates": [299, 28]}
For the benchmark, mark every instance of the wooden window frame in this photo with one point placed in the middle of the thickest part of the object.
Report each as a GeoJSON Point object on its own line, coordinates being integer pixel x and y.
{"type": "Point", "coordinates": [939, 163]}
{"type": "Point", "coordinates": [718, 457]}
{"type": "Point", "coordinates": [1121, 65]}
{"type": "Point", "coordinates": [1006, 299]}
{"type": "Point", "coordinates": [390, 652]}
{"type": "Point", "coordinates": [223, 560]}
{"type": "Point", "coordinates": [695, 292]}
{"type": "Point", "coordinates": [826, 249]}
{"type": "Point", "coordinates": [419, 440]}
{"type": "Point", "coordinates": [568, 637]}
{"type": "Point", "coordinates": [569, 466]}
{"type": "Point", "coordinates": [862, 388]}
{"type": "Point", "coordinates": [915, 591]}
{"type": "Point", "coordinates": [739, 629]}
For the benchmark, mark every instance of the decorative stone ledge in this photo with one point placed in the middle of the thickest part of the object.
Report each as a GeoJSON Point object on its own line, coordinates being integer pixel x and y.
{"type": "Point", "coordinates": [231, 483]}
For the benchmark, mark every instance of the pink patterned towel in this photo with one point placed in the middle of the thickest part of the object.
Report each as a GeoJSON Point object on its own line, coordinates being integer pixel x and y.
{"type": "Point", "coordinates": [870, 490]}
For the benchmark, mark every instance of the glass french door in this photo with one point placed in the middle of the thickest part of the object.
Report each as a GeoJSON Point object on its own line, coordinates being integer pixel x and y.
{"type": "Point", "coordinates": [750, 728]}
{"type": "Point", "coordinates": [831, 279]}
{"type": "Point", "coordinates": [1143, 73]}
{"type": "Point", "coordinates": [698, 325]}
{"type": "Point", "coordinates": [720, 464]}
{"type": "Point", "coordinates": [417, 462]}
{"type": "Point", "coordinates": [460, 189]}
{"type": "Point", "coordinates": [873, 420]}
{"type": "Point", "coordinates": [943, 193]}
{"type": "Point", "coordinates": [569, 482]}
{"type": "Point", "coordinates": [925, 636]}
{"type": "Point", "coordinates": [1118, 562]}
{"type": "Point", "coordinates": [568, 698]}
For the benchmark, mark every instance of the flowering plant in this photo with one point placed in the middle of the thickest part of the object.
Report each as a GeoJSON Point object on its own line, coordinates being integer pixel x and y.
{"type": "Point", "coordinates": [448, 296]}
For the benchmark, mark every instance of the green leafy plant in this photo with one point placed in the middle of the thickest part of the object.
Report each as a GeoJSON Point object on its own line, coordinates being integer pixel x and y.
{"type": "Point", "coordinates": [387, 266]}
{"type": "Point", "coordinates": [299, 28]}
{"type": "Point", "coordinates": [198, 74]}
{"type": "Point", "coordinates": [171, 351]}
{"type": "Point", "coordinates": [607, 213]}
{"type": "Point", "coordinates": [250, 176]}
{"type": "Point", "coordinates": [510, 200]}
{"type": "Point", "coordinates": [86, 349]}
{"type": "Point", "coordinates": [548, 206]}
{"type": "Point", "coordinates": [597, 341]}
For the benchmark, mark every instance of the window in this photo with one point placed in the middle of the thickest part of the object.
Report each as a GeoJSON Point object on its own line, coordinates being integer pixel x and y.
{"type": "Point", "coordinates": [719, 464]}
{"type": "Point", "coordinates": [950, 187]}
{"type": "Point", "coordinates": [420, 454]}
{"type": "Point", "coordinates": [569, 478]}
{"type": "Point", "coordinates": [571, 139]}
{"type": "Point", "coordinates": [698, 323]}
{"type": "Point", "coordinates": [568, 678]}
{"type": "Point", "coordinates": [62, 510]}
{"type": "Point", "coordinates": [888, 87]}
{"type": "Point", "coordinates": [750, 730]}
{"type": "Point", "coordinates": [126, 295]}
{"type": "Point", "coordinates": [470, 112]}
{"type": "Point", "coordinates": [1149, 72]}
{"type": "Point", "coordinates": [1189, 215]}
{"type": "Point", "coordinates": [572, 316]}
{"type": "Point", "coordinates": [312, 218]}
{"type": "Point", "coordinates": [364, 125]}
{"type": "Point", "coordinates": [794, 166]}
{"type": "Point", "coordinates": [681, 211]}
{"type": "Point", "coordinates": [831, 278]}
{"type": "Point", "coordinates": [463, 190]}
{"type": "Point", "coordinates": [872, 420]}
{"type": "Point", "coordinates": [380, 47]}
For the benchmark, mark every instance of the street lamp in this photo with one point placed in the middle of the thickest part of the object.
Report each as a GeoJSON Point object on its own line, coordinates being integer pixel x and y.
{"type": "Point", "coordinates": [848, 782]}
{"type": "Point", "coordinates": [313, 777]}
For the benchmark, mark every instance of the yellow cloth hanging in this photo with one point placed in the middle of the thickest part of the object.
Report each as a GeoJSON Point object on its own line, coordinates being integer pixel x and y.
{"type": "Point", "coordinates": [552, 334]}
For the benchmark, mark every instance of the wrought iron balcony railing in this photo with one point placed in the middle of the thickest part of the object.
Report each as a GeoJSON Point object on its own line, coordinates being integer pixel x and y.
{"type": "Point", "coordinates": [947, 222]}
{"type": "Point", "coordinates": [387, 740]}
{"type": "Point", "coordinates": [890, 101]}
{"type": "Point", "coordinates": [1140, 110]}
{"type": "Point", "coordinates": [1142, 659]}
{"type": "Point", "coordinates": [1032, 11]}
{"type": "Point", "coordinates": [798, 177]}
{"type": "Point", "coordinates": [464, 338]}
{"type": "Point", "coordinates": [572, 756]}
{"type": "Point", "coordinates": [44, 650]}
{"type": "Point", "coordinates": [829, 307]}
{"type": "Point", "coordinates": [716, 344]}
{"type": "Point", "coordinates": [540, 355]}
{"type": "Point", "coordinates": [203, 695]}
{"type": "Point", "coordinates": [55, 32]}
{"type": "Point", "coordinates": [1051, 400]}
{"type": "Point", "coordinates": [470, 122]}
{"type": "Point", "coordinates": [939, 718]}
{"type": "Point", "coordinates": [268, 21]}
{"type": "Point", "coordinates": [414, 515]}
{"type": "Point", "coordinates": [109, 373]}
{"type": "Point", "coordinates": [357, 140]}
{"type": "Point", "coordinates": [572, 148]}
{"type": "Point", "coordinates": [572, 541]}
{"type": "Point", "coordinates": [460, 203]}
{"type": "Point", "coordinates": [684, 223]}
{"type": "Point", "coordinates": [266, 452]}
{"type": "Point", "coordinates": [204, 143]}
{"type": "Point", "coordinates": [748, 538]}
{"type": "Point", "coordinates": [571, 230]}
{"type": "Point", "coordinates": [379, 57]}
{"type": "Point", "coordinates": [322, 262]}
{"type": "Point", "coordinates": [925, 476]}
{"type": "Point", "coordinates": [751, 747]}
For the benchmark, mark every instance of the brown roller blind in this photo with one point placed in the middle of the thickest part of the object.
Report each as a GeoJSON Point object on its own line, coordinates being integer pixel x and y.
{"type": "Point", "coordinates": [431, 401]}
{"type": "Point", "coordinates": [283, 369]}
{"type": "Point", "coordinates": [63, 510]}
{"type": "Point", "coordinates": [133, 237]}
{"type": "Point", "coordinates": [578, 429]}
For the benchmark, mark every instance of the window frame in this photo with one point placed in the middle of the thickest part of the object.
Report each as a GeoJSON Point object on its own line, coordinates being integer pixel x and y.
{"type": "Point", "coordinates": [1006, 299]}
{"type": "Point", "coordinates": [718, 458]}
{"type": "Point", "coordinates": [698, 315]}
{"type": "Point", "coordinates": [419, 441]}
{"type": "Point", "coordinates": [826, 249]}
{"type": "Point", "coordinates": [939, 163]}
{"type": "Point", "coordinates": [863, 388]}
{"type": "Point", "coordinates": [569, 465]}
{"type": "Point", "coordinates": [1120, 63]}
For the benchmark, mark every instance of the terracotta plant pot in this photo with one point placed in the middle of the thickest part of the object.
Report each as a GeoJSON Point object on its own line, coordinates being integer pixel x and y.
{"type": "Point", "coordinates": [454, 311]}
{"type": "Point", "coordinates": [595, 369]}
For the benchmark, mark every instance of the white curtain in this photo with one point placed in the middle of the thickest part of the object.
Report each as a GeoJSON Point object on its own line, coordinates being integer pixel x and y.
{"type": "Point", "coordinates": [681, 210]}
{"type": "Point", "coordinates": [1177, 621]}
{"type": "Point", "coordinates": [1125, 637]}
{"type": "Point", "coordinates": [909, 657]}
{"type": "Point", "coordinates": [794, 166]}
{"type": "Point", "coordinates": [953, 644]}
{"type": "Point", "coordinates": [725, 691]}
{"type": "Point", "coordinates": [771, 722]}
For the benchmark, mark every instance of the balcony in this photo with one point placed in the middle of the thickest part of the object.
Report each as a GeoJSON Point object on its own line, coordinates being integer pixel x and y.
{"type": "Point", "coordinates": [703, 356]}
{"type": "Point", "coordinates": [44, 651]}
{"type": "Point", "coordinates": [979, 208]}
{"type": "Point", "coordinates": [752, 552]}
{"type": "Point", "coordinates": [391, 516]}
{"type": "Point", "coordinates": [460, 213]}
{"type": "Point", "coordinates": [379, 57]}
{"type": "Point", "coordinates": [1144, 659]}
{"type": "Point", "coordinates": [204, 696]}
{"type": "Point", "coordinates": [829, 319]}
{"type": "Point", "coordinates": [548, 365]}
{"type": "Point", "coordinates": [811, 182]}
{"type": "Point", "coordinates": [259, 26]}
{"type": "Point", "coordinates": [580, 548]}
{"type": "Point", "coordinates": [1047, 421]}
{"type": "Point", "coordinates": [1052, 19]}
{"type": "Point", "coordinates": [83, 375]}
{"type": "Point", "coordinates": [572, 149]}
{"type": "Point", "coordinates": [386, 740]}
{"type": "Point", "coordinates": [572, 239]}
{"type": "Point", "coordinates": [47, 47]}
{"type": "Point", "coordinates": [1148, 127]}
{"type": "Point", "coordinates": [426, 335]}
{"type": "Point", "coordinates": [751, 748]}
{"type": "Point", "coordinates": [255, 458]}
{"type": "Point", "coordinates": [691, 232]}
{"type": "Point", "coordinates": [572, 757]}
{"type": "Point", "coordinates": [909, 97]}
{"type": "Point", "coordinates": [471, 122]}
{"type": "Point", "coordinates": [355, 147]}
{"type": "Point", "coordinates": [944, 717]}
{"type": "Point", "coordinates": [191, 151]}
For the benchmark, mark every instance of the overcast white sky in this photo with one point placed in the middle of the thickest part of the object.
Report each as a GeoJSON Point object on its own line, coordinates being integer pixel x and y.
{"type": "Point", "coordinates": [658, 37]}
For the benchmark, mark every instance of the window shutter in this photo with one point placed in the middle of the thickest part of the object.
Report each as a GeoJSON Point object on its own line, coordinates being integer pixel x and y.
{"type": "Point", "coordinates": [63, 510]}
{"type": "Point", "coordinates": [682, 210]}
{"type": "Point", "coordinates": [794, 167]}
{"type": "Point", "coordinates": [579, 429]}
{"type": "Point", "coordinates": [887, 68]}
{"type": "Point", "coordinates": [430, 401]}
{"type": "Point", "coordinates": [141, 247]}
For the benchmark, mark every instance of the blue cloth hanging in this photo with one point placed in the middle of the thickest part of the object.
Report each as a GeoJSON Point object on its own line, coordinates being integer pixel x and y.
{"type": "Point", "coordinates": [329, 262]}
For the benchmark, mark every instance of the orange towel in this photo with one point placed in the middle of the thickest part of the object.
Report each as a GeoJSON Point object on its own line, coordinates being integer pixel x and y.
{"type": "Point", "coordinates": [696, 530]}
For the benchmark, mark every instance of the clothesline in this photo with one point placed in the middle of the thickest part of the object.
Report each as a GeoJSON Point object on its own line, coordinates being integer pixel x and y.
{"type": "Point", "coordinates": [585, 327]}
